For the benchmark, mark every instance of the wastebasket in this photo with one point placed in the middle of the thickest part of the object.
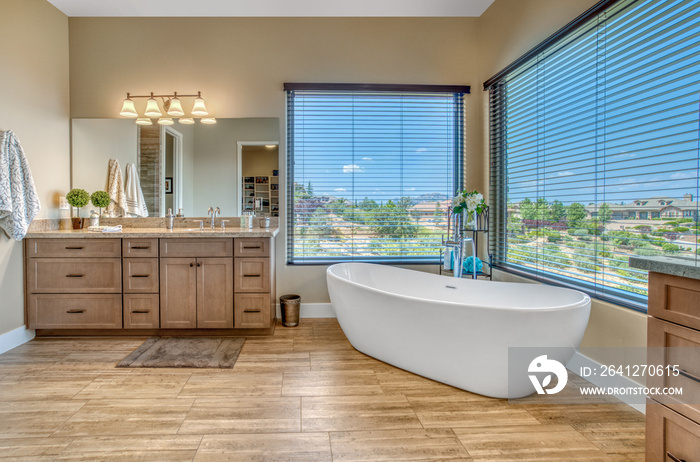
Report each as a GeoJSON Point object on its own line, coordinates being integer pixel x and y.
{"type": "Point", "coordinates": [289, 305]}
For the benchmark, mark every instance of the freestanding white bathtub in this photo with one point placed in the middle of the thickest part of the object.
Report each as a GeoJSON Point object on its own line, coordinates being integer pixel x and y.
{"type": "Point", "coordinates": [455, 331]}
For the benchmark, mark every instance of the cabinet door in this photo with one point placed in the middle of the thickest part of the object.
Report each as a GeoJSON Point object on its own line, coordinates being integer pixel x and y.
{"type": "Point", "coordinates": [178, 293]}
{"type": "Point", "coordinates": [215, 293]}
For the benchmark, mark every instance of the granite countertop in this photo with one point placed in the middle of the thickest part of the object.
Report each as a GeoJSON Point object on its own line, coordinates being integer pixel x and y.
{"type": "Point", "coordinates": [156, 233]}
{"type": "Point", "coordinates": [675, 266]}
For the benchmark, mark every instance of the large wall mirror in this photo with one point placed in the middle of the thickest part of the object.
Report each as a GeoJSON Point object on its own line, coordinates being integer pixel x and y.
{"type": "Point", "coordinates": [188, 167]}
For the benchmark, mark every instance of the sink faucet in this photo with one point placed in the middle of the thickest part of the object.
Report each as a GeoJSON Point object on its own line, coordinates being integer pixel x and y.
{"type": "Point", "coordinates": [214, 212]}
{"type": "Point", "coordinates": [458, 244]}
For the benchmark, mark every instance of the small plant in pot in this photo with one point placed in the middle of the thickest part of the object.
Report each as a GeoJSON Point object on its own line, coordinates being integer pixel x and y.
{"type": "Point", "coordinates": [100, 199]}
{"type": "Point", "coordinates": [78, 198]}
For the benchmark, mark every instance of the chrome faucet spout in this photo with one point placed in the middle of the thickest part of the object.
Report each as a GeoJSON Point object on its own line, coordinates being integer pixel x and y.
{"type": "Point", "coordinates": [211, 212]}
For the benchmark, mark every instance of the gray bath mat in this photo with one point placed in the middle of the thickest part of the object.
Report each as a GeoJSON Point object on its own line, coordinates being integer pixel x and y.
{"type": "Point", "coordinates": [198, 352]}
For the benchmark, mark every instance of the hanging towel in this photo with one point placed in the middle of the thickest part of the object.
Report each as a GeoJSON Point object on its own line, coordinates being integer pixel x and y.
{"type": "Point", "coordinates": [115, 188]}
{"type": "Point", "coordinates": [19, 203]}
{"type": "Point", "coordinates": [135, 203]}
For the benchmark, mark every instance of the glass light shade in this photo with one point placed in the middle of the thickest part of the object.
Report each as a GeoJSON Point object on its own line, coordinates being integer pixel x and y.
{"type": "Point", "coordinates": [186, 120]}
{"type": "Point", "coordinates": [208, 120]}
{"type": "Point", "coordinates": [175, 108]}
{"type": "Point", "coordinates": [152, 109]}
{"type": "Point", "coordinates": [144, 121]}
{"type": "Point", "coordinates": [128, 109]}
{"type": "Point", "coordinates": [270, 146]}
{"type": "Point", "coordinates": [165, 121]}
{"type": "Point", "coordinates": [199, 109]}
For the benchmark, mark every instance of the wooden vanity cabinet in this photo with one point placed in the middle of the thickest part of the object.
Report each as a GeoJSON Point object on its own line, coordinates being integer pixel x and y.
{"type": "Point", "coordinates": [673, 422]}
{"type": "Point", "coordinates": [149, 285]}
{"type": "Point", "coordinates": [197, 292]}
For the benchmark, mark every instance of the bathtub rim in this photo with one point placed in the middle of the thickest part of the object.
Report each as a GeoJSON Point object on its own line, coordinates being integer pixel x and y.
{"type": "Point", "coordinates": [583, 303]}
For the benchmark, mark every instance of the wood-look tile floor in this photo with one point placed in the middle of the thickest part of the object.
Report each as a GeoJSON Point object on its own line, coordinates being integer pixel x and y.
{"type": "Point", "coordinates": [303, 394]}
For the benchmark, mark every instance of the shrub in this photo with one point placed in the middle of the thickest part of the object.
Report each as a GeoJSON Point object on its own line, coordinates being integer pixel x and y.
{"type": "Point", "coordinates": [670, 248]}
{"type": "Point", "coordinates": [681, 229]}
{"type": "Point", "coordinates": [100, 199]}
{"type": "Point", "coordinates": [78, 197]}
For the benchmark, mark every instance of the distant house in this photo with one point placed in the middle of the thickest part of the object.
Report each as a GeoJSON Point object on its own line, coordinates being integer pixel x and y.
{"type": "Point", "coordinates": [655, 207]}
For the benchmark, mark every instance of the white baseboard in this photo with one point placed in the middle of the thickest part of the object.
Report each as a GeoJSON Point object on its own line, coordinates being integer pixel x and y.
{"type": "Point", "coordinates": [579, 360]}
{"type": "Point", "coordinates": [312, 310]}
{"type": "Point", "coordinates": [15, 338]}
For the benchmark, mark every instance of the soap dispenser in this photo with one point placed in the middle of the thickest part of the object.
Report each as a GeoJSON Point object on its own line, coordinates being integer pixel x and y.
{"type": "Point", "coordinates": [169, 219]}
{"type": "Point", "coordinates": [94, 218]}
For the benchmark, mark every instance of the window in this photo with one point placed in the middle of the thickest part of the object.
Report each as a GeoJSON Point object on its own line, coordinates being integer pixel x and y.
{"type": "Point", "coordinates": [593, 134]}
{"type": "Point", "coordinates": [371, 171]}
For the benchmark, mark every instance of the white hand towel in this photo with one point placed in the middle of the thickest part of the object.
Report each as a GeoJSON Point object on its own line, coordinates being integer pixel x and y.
{"type": "Point", "coordinates": [115, 188]}
{"type": "Point", "coordinates": [19, 202]}
{"type": "Point", "coordinates": [135, 203]}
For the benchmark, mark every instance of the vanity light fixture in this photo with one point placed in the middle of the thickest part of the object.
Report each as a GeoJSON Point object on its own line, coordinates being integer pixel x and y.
{"type": "Point", "coordinates": [171, 106]}
{"type": "Point", "coordinates": [270, 146]}
{"type": "Point", "coordinates": [128, 108]}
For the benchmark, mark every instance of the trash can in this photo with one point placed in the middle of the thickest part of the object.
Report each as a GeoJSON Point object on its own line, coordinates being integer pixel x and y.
{"type": "Point", "coordinates": [289, 305]}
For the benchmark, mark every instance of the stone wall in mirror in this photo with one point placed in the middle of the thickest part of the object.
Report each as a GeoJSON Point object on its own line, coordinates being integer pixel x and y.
{"type": "Point", "coordinates": [188, 167]}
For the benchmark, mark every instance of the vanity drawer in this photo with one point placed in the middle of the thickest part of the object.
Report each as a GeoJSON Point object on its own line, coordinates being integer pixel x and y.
{"type": "Point", "coordinates": [139, 248]}
{"type": "Point", "coordinates": [670, 344]}
{"type": "Point", "coordinates": [200, 247]}
{"type": "Point", "coordinates": [251, 311]}
{"type": "Point", "coordinates": [251, 247]}
{"type": "Point", "coordinates": [251, 275]}
{"type": "Point", "coordinates": [75, 248]}
{"type": "Point", "coordinates": [75, 275]}
{"type": "Point", "coordinates": [670, 436]}
{"type": "Point", "coordinates": [141, 275]}
{"type": "Point", "coordinates": [141, 311]}
{"type": "Point", "coordinates": [55, 311]}
{"type": "Point", "coordinates": [674, 299]}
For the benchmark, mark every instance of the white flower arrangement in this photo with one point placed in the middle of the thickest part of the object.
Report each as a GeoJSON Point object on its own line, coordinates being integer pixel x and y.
{"type": "Point", "coordinates": [469, 201]}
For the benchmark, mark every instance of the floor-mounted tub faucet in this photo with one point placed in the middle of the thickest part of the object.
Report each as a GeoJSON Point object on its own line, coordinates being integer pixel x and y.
{"type": "Point", "coordinates": [458, 244]}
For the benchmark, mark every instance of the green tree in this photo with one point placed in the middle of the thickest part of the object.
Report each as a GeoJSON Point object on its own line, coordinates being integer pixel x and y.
{"type": "Point", "coordinates": [557, 210]}
{"type": "Point", "coordinates": [575, 213]}
{"type": "Point", "coordinates": [528, 210]}
{"type": "Point", "coordinates": [437, 214]}
{"type": "Point", "coordinates": [542, 209]}
{"type": "Point", "coordinates": [310, 190]}
{"type": "Point", "coordinates": [394, 221]}
{"type": "Point", "coordinates": [604, 213]}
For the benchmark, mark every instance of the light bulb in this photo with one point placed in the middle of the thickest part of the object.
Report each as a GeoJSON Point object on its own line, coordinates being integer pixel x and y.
{"type": "Point", "coordinates": [186, 120]}
{"type": "Point", "coordinates": [144, 121]}
{"type": "Point", "coordinates": [152, 109]}
{"type": "Point", "coordinates": [128, 109]}
{"type": "Point", "coordinates": [165, 121]}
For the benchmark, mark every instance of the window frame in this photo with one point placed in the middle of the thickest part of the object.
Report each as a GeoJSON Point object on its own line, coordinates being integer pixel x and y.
{"type": "Point", "coordinates": [458, 159]}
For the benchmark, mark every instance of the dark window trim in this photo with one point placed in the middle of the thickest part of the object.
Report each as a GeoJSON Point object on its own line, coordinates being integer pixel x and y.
{"type": "Point", "coordinates": [551, 40]}
{"type": "Point", "coordinates": [377, 87]}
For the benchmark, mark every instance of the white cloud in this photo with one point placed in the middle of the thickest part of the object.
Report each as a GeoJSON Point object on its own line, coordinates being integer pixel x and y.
{"type": "Point", "coordinates": [409, 189]}
{"type": "Point", "coordinates": [682, 175]}
{"type": "Point", "coordinates": [352, 168]}
{"type": "Point", "coordinates": [369, 159]}
{"type": "Point", "coordinates": [421, 150]}
{"type": "Point", "coordinates": [340, 189]}
{"type": "Point", "coordinates": [566, 173]}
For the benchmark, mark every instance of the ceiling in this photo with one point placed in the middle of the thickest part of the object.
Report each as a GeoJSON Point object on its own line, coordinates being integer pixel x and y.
{"type": "Point", "coordinates": [268, 8]}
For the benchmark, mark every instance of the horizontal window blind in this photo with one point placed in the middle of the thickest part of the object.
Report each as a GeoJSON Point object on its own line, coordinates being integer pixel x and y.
{"type": "Point", "coordinates": [594, 150]}
{"type": "Point", "coordinates": [371, 173]}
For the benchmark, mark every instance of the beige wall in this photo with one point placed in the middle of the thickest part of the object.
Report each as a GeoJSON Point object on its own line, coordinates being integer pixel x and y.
{"type": "Point", "coordinates": [259, 161]}
{"type": "Point", "coordinates": [35, 105]}
{"type": "Point", "coordinates": [508, 29]}
{"type": "Point", "coordinates": [241, 64]}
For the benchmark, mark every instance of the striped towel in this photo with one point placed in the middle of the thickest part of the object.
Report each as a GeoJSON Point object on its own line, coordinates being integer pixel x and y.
{"type": "Point", "coordinates": [135, 203]}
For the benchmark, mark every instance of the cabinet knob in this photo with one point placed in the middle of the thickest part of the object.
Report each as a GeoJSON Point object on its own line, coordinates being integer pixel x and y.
{"type": "Point", "coordinates": [191, 265]}
{"type": "Point", "coordinates": [198, 264]}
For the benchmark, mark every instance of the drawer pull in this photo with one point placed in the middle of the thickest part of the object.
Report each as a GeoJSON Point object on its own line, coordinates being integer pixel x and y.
{"type": "Point", "coordinates": [251, 275]}
{"type": "Point", "coordinates": [75, 311]}
{"type": "Point", "coordinates": [74, 248]}
{"type": "Point", "coordinates": [688, 375]}
{"type": "Point", "coordinates": [74, 275]}
{"type": "Point", "coordinates": [251, 247]}
{"type": "Point", "coordinates": [251, 311]}
{"type": "Point", "coordinates": [141, 311]}
{"type": "Point", "coordinates": [674, 458]}
{"type": "Point", "coordinates": [141, 247]}
{"type": "Point", "coordinates": [140, 275]}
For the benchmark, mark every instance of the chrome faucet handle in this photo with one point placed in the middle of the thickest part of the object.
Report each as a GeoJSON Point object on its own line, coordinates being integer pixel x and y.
{"type": "Point", "coordinates": [201, 224]}
{"type": "Point", "coordinates": [217, 212]}
{"type": "Point", "coordinates": [223, 223]}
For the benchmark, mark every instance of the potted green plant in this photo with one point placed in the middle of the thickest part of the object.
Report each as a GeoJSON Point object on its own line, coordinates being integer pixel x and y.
{"type": "Point", "coordinates": [78, 198]}
{"type": "Point", "coordinates": [100, 199]}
